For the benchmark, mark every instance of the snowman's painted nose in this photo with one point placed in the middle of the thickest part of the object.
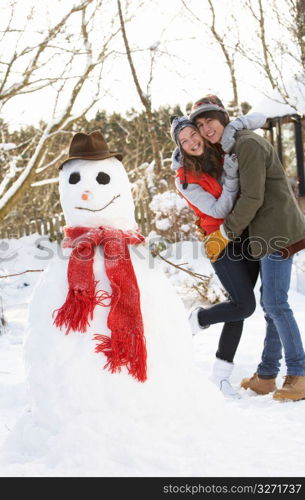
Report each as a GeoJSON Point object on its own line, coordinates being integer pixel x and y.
{"type": "Point", "coordinates": [86, 195]}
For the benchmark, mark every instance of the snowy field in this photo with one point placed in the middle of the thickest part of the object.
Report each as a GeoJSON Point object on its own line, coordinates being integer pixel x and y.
{"type": "Point", "coordinates": [250, 436]}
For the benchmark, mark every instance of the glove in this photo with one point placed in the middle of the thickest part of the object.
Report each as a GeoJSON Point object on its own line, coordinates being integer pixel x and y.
{"type": "Point", "coordinates": [176, 159]}
{"type": "Point", "coordinates": [252, 121]}
{"type": "Point", "coordinates": [214, 244]}
{"type": "Point", "coordinates": [230, 166]}
{"type": "Point", "coordinates": [228, 137]}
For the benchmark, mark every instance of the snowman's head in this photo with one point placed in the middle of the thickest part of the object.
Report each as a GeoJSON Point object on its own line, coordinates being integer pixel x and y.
{"type": "Point", "coordinates": [95, 193]}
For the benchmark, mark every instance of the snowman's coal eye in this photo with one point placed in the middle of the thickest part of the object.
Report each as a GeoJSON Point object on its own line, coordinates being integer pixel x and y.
{"type": "Point", "coordinates": [103, 178]}
{"type": "Point", "coordinates": [74, 178]}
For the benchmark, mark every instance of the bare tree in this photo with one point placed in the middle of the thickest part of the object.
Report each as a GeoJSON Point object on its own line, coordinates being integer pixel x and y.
{"type": "Point", "coordinates": [228, 49]}
{"type": "Point", "coordinates": [292, 21]}
{"type": "Point", "coordinates": [279, 47]}
{"type": "Point", "coordinates": [298, 27]}
{"type": "Point", "coordinates": [144, 97]}
{"type": "Point", "coordinates": [229, 57]}
{"type": "Point", "coordinates": [29, 80]}
{"type": "Point", "coordinates": [84, 61]}
{"type": "Point", "coordinates": [267, 62]}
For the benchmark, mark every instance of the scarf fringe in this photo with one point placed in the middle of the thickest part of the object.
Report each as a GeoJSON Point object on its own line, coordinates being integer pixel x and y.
{"type": "Point", "coordinates": [102, 296]}
{"type": "Point", "coordinates": [78, 309]}
{"type": "Point", "coordinates": [119, 352]}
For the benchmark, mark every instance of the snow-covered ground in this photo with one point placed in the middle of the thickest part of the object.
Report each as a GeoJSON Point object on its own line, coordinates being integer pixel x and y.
{"type": "Point", "coordinates": [251, 436]}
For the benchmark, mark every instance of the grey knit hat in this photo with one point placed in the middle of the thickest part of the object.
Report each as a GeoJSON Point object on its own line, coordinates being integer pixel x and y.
{"type": "Point", "coordinates": [177, 124]}
{"type": "Point", "coordinates": [207, 103]}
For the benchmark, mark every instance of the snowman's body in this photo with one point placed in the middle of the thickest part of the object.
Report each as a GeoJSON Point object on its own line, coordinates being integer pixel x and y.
{"type": "Point", "coordinates": [64, 371]}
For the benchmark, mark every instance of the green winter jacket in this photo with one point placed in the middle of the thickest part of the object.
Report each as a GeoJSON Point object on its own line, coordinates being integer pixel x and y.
{"type": "Point", "coordinates": [266, 205]}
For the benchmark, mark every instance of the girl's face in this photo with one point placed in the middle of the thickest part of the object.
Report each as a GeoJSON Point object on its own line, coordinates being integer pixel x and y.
{"type": "Point", "coordinates": [210, 128]}
{"type": "Point", "coordinates": [191, 141]}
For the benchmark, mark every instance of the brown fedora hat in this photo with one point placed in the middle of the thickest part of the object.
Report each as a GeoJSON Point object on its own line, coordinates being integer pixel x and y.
{"type": "Point", "coordinates": [89, 147]}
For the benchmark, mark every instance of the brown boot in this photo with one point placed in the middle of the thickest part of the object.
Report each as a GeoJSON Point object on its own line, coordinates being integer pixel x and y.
{"type": "Point", "coordinates": [259, 385]}
{"type": "Point", "coordinates": [293, 388]}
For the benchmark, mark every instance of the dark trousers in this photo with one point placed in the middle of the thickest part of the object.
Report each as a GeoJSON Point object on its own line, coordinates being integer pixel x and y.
{"type": "Point", "coordinates": [237, 272]}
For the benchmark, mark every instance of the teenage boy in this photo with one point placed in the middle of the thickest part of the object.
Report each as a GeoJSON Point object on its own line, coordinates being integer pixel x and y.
{"type": "Point", "coordinates": [267, 207]}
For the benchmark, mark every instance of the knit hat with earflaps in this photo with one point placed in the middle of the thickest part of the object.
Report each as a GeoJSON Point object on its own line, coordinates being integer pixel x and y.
{"type": "Point", "coordinates": [177, 124]}
{"type": "Point", "coordinates": [207, 103]}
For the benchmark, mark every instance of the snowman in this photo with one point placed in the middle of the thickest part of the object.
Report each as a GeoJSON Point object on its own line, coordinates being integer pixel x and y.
{"type": "Point", "coordinates": [107, 334]}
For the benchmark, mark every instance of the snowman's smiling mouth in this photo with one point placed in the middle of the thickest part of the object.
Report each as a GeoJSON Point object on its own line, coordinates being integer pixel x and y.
{"type": "Point", "coordinates": [99, 209]}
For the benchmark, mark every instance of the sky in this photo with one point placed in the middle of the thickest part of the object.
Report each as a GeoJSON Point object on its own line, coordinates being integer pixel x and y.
{"type": "Point", "coordinates": [188, 65]}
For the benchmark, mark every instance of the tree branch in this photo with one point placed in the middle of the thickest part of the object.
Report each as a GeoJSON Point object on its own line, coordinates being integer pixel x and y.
{"type": "Point", "coordinates": [23, 272]}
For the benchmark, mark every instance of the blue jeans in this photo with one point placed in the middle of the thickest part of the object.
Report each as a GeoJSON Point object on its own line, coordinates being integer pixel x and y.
{"type": "Point", "coordinates": [282, 331]}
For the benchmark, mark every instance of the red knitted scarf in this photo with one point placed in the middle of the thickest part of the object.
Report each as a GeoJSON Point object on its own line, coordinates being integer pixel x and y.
{"type": "Point", "coordinates": [126, 346]}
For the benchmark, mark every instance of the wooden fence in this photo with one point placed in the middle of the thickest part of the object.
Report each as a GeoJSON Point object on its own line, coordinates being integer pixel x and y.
{"type": "Point", "coordinates": [53, 226]}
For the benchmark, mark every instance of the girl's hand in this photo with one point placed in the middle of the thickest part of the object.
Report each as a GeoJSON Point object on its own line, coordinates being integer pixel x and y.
{"type": "Point", "coordinates": [251, 121]}
{"type": "Point", "coordinates": [214, 245]}
{"type": "Point", "coordinates": [230, 166]}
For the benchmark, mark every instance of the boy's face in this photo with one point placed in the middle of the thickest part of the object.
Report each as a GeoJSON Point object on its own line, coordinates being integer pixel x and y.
{"type": "Point", "coordinates": [210, 128]}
